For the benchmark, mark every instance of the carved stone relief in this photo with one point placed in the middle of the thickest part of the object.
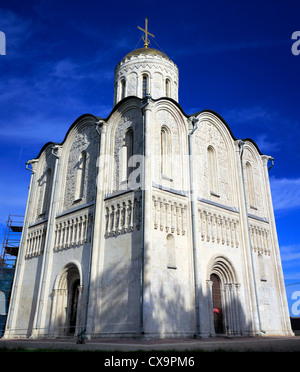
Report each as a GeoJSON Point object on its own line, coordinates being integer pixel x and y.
{"type": "Point", "coordinates": [85, 140]}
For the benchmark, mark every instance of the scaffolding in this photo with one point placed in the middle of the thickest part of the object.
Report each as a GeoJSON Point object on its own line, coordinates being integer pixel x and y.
{"type": "Point", "coordinates": [11, 241]}
{"type": "Point", "coordinates": [8, 257]}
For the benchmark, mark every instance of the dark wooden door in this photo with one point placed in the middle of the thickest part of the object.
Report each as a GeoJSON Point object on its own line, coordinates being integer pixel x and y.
{"type": "Point", "coordinates": [217, 303]}
{"type": "Point", "coordinates": [73, 304]}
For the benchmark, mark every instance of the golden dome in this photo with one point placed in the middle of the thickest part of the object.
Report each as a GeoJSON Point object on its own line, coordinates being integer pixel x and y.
{"type": "Point", "coordinates": [152, 51]}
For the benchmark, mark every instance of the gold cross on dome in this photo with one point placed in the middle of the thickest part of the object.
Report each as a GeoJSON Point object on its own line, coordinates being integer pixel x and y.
{"type": "Point", "coordinates": [145, 39]}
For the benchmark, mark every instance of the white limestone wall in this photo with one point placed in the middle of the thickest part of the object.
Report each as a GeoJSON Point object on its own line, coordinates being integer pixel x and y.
{"type": "Point", "coordinates": [221, 222]}
{"type": "Point", "coordinates": [58, 233]}
{"type": "Point", "coordinates": [119, 284]}
{"type": "Point", "coordinates": [222, 236]}
{"type": "Point", "coordinates": [172, 300]}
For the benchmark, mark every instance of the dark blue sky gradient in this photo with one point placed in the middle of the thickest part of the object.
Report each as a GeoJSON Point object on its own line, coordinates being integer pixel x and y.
{"type": "Point", "coordinates": [234, 57]}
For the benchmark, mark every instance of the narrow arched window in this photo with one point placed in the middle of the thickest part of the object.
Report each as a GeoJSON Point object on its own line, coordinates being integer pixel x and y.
{"type": "Point", "coordinates": [250, 184]}
{"type": "Point", "coordinates": [261, 268]}
{"type": "Point", "coordinates": [171, 254]}
{"type": "Point", "coordinates": [123, 88]}
{"type": "Point", "coordinates": [126, 153]}
{"type": "Point", "coordinates": [129, 149]}
{"type": "Point", "coordinates": [145, 86]}
{"type": "Point", "coordinates": [168, 88]}
{"type": "Point", "coordinates": [47, 191]}
{"type": "Point", "coordinates": [81, 169]}
{"type": "Point", "coordinates": [166, 152]}
{"type": "Point", "coordinates": [212, 171]}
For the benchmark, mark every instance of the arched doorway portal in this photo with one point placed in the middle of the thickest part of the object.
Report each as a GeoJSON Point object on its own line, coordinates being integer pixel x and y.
{"type": "Point", "coordinates": [224, 302]}
{"type": "Point", "coordinates": [66, 302]}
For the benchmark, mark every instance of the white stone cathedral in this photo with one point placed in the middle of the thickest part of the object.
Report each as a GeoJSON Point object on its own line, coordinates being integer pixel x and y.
{"type": "Point", "coordinates": [150, 223]}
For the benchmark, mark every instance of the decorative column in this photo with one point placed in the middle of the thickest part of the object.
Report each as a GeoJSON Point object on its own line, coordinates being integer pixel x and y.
{"type": "Point", "coordinates": [79, 319]}
{"type": "Point", "coordinates": [146, 306]}
{"type": "Point", "coordinates": [20, 262]}
{"type": "Point", "coordinates": [40, 323]}
{"type": "Point", "coordinates": [99, 224]}
{"type": "Point", "coordinates": [238, 309]}
{"type": "Point", "coordinates": [280, 287]}
{"type": "Point", "coordinates": [210, 308]}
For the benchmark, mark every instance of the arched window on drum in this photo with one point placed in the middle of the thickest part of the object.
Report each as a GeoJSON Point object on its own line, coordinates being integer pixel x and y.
{"type": "Point", "coordinates": [123, 88]}
{"type": "Point", "coordinates": [145, 85]}
{"type": "Point", "coordinates": [168, 88]}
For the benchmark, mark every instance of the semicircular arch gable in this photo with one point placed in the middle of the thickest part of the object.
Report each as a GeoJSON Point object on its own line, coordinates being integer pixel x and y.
{"type": "Point", "coordinates": [253, 152]}
{"type": "Point", "coordinates": [170, 108]}
{"type": "Point", "coordinates": [122, 112]}
{"type": "Point", "coordinates": [226, 135]}
{"type": "Point", "coordinates": [78, 129]}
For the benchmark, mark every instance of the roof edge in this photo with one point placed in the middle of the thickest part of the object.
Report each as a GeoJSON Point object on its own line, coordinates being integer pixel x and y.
{"type": "Point", "coordinates": [154, 100]}
{"type": "Point", "coordinates": [214, 113]}
{"type": "Point", "coordinates": [66, 135]}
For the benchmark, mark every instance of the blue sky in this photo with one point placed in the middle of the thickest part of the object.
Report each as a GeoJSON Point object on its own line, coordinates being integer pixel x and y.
{"type": "Point", "coordinates": [234, 57]}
